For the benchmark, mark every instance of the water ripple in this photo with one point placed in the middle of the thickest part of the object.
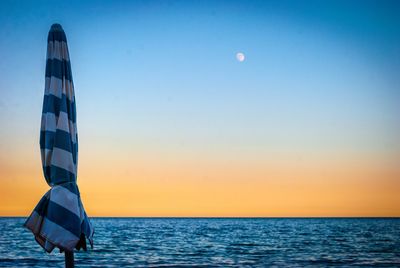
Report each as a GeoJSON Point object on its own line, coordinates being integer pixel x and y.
{"type": "Point", "coordinates": [218, 242]}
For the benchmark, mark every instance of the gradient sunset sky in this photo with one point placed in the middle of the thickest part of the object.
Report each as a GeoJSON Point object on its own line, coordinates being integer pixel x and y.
{"type": "Point", "coordinates": [170, 123]}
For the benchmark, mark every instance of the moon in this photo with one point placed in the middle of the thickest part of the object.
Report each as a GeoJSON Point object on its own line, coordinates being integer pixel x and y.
{"type": "Point", "coordinates": [240, 56]}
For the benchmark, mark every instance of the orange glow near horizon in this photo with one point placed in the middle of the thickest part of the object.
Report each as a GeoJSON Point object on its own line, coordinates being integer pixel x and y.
{"type": "Point", "coordinates": [189, 185]}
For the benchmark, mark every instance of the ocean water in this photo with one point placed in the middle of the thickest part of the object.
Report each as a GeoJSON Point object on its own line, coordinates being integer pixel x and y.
{"type": "Point", "coordinates": [217, 242]}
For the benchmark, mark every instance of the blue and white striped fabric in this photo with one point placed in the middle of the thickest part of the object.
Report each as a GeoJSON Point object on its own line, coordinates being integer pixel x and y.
{"type": "Point", "coordinates": [59, 220]}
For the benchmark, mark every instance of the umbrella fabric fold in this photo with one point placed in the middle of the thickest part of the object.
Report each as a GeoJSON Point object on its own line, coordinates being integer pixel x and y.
{"type": "Point", "coordinates": [59, 219]}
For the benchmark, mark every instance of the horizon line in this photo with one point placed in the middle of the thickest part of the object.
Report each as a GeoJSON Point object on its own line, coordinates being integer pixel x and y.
{"type": "Point", "coordinates": [233, 217]}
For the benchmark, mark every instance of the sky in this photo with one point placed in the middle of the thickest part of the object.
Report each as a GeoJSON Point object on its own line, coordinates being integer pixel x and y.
{"type": "Point", "coordinates": [170, 123]}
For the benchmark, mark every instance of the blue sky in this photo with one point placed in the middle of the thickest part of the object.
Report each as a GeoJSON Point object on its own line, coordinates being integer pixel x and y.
{"type": "Point", "coordinates": [167, 112]}
{"type": "Point", "coordinates": [314, 68]}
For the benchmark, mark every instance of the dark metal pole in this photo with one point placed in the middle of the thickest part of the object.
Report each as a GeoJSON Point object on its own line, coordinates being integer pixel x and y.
{"type": "Point", "coordinates": [69, 259]}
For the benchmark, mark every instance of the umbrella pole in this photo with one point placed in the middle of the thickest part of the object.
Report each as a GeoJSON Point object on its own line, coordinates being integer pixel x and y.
{"type": "Point", "coordinates": [69, 259]}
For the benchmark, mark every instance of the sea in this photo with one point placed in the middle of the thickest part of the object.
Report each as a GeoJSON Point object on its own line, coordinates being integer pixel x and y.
{"type": "Point", "coordinates": [217, 242]}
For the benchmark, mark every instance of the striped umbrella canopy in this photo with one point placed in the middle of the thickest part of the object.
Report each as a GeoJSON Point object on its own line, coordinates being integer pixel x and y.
{"type": "Point", "coordinates": [59, 219]}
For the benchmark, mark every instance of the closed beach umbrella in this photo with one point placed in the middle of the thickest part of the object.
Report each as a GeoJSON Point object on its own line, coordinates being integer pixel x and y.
{"type": "Point", "coordinates": [59, 219]}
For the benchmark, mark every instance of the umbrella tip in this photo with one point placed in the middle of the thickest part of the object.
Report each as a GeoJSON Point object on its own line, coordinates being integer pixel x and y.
{"type": "Point", "coordinates": [56, 27]}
